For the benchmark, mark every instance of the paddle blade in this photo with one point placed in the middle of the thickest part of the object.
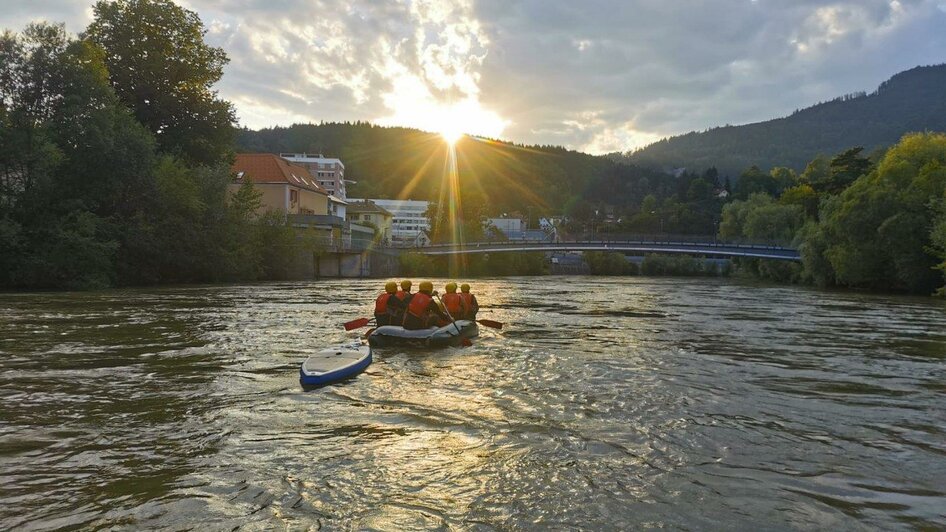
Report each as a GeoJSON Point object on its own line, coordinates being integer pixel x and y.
{"type": "Point", "coordinates": [356, 324]}
{"type": "Point", "coordinates": [466, 343]}
{"type": "Point", "coordinates": [490, 323]}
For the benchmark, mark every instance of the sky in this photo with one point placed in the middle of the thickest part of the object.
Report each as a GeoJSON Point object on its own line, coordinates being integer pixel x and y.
{"type": "Point", "coordinates": [597, 76]}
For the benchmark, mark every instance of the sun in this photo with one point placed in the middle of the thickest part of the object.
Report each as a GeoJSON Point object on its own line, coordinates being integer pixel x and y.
{"type": "Point", "coordinates": [413, 105]}
{"type": "Point", "coordinates": [451, 133]}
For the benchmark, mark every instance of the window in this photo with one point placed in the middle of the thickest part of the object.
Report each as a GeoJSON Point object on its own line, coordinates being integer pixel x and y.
{"type": "Point", "coordinates": [293, 196]}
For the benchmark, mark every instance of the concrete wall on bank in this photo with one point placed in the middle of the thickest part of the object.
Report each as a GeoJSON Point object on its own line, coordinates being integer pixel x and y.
{"type": "Point", "coordinates": [309, 265]}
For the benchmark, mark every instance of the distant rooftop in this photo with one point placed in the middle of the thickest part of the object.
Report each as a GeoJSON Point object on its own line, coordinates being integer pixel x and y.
{"type": "Point", "coordinates": [311, 158]}
{"type": "Point", "coordinates": [267, 168]}
{"type": "Point", "coordinates": [367, 206]}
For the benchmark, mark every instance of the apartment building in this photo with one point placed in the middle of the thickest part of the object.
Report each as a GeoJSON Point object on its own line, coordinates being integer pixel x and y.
{"type": "Point", "coordinates": [329, 172]}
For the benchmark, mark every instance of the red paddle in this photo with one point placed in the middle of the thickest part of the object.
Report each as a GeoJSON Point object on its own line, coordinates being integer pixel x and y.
{"type": "Point", "coordinates": [357, 324]}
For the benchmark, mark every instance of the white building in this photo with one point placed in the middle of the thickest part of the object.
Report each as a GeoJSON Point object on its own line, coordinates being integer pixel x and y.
{"type": "Point", "coordinates": [329, 172]}
{"type": "Point", "coordinates": [337, 207]}
{"type": "Point", "coordinates": [409, 221]}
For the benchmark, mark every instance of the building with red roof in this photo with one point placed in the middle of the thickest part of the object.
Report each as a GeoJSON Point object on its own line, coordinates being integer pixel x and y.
{"type": "Point", "coordinates": [285, 186]}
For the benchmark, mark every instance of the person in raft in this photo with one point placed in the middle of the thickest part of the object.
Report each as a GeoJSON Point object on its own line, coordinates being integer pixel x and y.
{"type": "Point", "coordinates": [469, 300]}
{"type": "Point", "coordinates": [388, 309]}
{"type": "Point", "coordinates": [422, 311]}
{"type": "Point", "coordinates": [405, 292]}
{"type": "Point", "coordinates": [453, 303]}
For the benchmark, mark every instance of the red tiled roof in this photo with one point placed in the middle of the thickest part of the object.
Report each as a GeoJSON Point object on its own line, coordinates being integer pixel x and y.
{"type": "Point", "coordinates": [269, 168]}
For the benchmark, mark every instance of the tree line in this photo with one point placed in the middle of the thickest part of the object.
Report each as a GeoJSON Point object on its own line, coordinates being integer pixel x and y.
{"type": "Point", "coordinates": [874, 222]}
{"type": "Point", "coordinates": [114, 158]}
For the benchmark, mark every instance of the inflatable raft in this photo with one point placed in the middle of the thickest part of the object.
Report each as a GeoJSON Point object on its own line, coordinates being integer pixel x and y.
{"type": "Point", "coordinates": [448, 335]}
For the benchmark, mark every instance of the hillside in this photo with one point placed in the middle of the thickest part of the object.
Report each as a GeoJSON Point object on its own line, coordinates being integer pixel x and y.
{"type": "Point", "coordinates": [392, 162]}
{"type": "Point", "coordinates": [911, 101]}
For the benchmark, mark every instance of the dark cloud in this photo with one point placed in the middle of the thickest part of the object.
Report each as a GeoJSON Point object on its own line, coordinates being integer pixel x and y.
{"type": "Point", "coordinates": [591, 75]}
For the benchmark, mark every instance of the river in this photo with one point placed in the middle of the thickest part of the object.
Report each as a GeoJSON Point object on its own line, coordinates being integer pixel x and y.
{"type": "Point", "coordinates": [605, 403]}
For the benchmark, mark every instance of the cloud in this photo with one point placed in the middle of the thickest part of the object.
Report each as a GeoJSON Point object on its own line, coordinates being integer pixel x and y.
{"type": "Point", "coordinates": [594, 75]}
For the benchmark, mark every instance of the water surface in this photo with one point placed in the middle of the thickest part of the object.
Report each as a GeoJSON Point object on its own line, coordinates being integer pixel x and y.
{"type": "Point", "coordinates": [605, 403]}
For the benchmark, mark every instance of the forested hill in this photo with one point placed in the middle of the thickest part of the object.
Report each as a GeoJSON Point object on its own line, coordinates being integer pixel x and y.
{"type": "Point", "coordinates": [911, 101]}
{"type": "Point", "coordinates": [393, 162]}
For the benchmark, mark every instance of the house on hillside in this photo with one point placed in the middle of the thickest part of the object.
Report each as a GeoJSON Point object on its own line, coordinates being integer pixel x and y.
{"type": "Point", "coordinates": [367, 212]}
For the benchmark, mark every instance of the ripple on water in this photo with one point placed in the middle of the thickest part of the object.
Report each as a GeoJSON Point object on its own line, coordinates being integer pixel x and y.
{"type": "Point", "coordinates": [683, 403]}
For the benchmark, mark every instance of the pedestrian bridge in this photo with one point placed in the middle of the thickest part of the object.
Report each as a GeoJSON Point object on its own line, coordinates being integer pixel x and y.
{"type": "Point", "coordinates": [657, 245]}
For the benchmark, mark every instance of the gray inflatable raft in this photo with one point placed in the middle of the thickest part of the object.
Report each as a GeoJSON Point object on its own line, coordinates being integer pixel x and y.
{"type": "Point", "coordinates": [448, 335]}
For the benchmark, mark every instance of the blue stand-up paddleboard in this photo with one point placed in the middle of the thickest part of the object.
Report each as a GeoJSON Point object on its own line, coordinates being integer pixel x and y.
{"type": "Point", "coordinates": [334, 364]}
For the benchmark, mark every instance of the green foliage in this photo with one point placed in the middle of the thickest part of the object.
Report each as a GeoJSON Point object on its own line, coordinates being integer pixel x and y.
{"type": "Point", "coordinates": [845, 168]}
{"type": "Point", "coordinates": [772, 270]}
{"type": "Point", "coordinates": [88, 200]}
{"type": "Point", "coordinates": [804, 196]}
{"type": "Point", "coordinates": [163, 70]}
{"type": "Point", "coordinates": [877, 233]}
{"type": "Point", "coordinates": [817, 171]}
{"type": "Point", "coordinates": [938, 239]}
{"type": "Point", "coordinates": [485, 265]}
{"type": "Point", "coordinates": [75, 254]}
{"type": "Point", "coordinates": [415, 264]}
{"type": "Point", "coordinates": [604, 263]}
{"type": "Point", "coordinates": [773, 223]}
{"type": "Point", "coordinates": [735, 214]}
{"type": "Point", "coordinates": [682, 265]}
{"type": "Point", "coordinates": [755, 181]}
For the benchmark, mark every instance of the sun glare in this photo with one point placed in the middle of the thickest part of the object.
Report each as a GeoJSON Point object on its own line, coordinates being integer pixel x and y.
{"type": "Point", "coordinates": [414, 106]}
{"type": "Point", "coordinates": [451, 133]}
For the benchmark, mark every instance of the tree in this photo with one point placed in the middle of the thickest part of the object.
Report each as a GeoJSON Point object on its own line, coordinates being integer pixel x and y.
{"type": "Point", "coordinates": [161, 68]}
{"type": "Point", "coordinates": [938, 240]}
{"type": "Point", "coordinates": [712, 175]}
{"type": "Point", "coordinates": [783, 178]}
{"type": "Point", "coordinates": [754, 181]}
{"type": "Point", "coordinates": [734, 215]}
{"type": "Point", "coordinates": [817, 171]}
{"type": "Point", "coordinates": [877, 232]}
{"type": "Point", "coordinates": [700, 190]}
{"type": "Point", "coordinates": [802, 195]}
{"type": "Point", "coordinates": [845, 168]}
{"type": "Point", "coordinates": [74, 161]}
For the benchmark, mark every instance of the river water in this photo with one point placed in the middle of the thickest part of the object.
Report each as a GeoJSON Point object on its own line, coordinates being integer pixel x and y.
{"type": "Point", "coordinates": [605, 403]}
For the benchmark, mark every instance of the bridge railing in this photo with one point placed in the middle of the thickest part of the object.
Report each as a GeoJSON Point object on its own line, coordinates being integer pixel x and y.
{"type": "Point", "coordinates": [677, 238]}
{"type": "Point", "coordinates": [691, 240]}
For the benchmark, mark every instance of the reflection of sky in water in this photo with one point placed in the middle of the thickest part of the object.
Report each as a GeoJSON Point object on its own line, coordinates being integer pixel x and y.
{"type": "Point", "coordinates": [604, 403]}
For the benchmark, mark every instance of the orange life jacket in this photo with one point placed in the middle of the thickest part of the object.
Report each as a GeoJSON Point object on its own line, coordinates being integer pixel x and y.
{"type": "Point", "coordinates": [454, 305]}
{"type": "Point", "coordinates": [418, 305]}
{"type": "Point", "coordinates": [468, 299]}
{"type": "Point", "coordinates": [401, 294]}
{"type": "Point", "coordinates": [381, 304]}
